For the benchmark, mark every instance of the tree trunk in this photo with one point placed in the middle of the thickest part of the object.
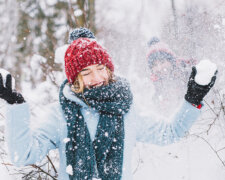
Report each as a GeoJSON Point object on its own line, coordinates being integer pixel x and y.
{"type": "Point", "coordinates": [91, 15]}
{"type": "Point", "coordinates": [175, 19]}
{"type": "Point", "coordinates": [81, 20]}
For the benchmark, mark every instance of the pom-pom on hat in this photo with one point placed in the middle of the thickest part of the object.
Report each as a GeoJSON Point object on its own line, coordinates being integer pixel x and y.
{"type": "Point", "coordinates": [153, 41]}
{"type": "Point", "coordinates": [80, 32]}
{"type": "Point", "coordinates": [83, 52]}
{"type": "Point", "coordinates": [159, 51]}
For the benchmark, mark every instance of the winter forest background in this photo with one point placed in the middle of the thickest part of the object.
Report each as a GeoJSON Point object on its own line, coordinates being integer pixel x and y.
{"type": "Point", "coordinates": [34, 33]}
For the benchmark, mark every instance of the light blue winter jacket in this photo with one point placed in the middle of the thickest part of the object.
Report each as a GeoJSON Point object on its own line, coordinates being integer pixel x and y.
{"type": "Point", "coordinates": [28, 146]}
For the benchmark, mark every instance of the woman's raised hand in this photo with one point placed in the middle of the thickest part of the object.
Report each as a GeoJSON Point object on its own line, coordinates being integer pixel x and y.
{"type": "Point", "coordinates": [6, 92]}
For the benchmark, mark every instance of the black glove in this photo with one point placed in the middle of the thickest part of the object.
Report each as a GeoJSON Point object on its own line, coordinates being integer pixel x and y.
{"type": "Point", "coordinates": [7, 93]}
{"type": "Point", "coordinates": [196, 92]}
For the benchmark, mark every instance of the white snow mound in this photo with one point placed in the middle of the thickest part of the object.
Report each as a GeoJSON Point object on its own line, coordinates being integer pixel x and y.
{"type": "Point", "coordinates": [205, 71]}
{"type": "Point", "coordinates": [4, 73]}
{"type": "Point", "coordinates": [60, 53]}
{"type": "Point", "coordinates": [4, 174]}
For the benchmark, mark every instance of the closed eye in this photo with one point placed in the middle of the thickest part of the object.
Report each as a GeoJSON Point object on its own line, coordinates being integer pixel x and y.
{"type": "Point", "coordinates": [85, 74]}
{"type": "Point", "coordinates": [101, 67]}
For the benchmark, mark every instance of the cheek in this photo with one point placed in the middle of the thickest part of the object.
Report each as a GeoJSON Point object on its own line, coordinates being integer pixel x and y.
{"type": "Point", "coordinates": [105, 75]}
{"type": "Point", "coordinates": [86, 80]}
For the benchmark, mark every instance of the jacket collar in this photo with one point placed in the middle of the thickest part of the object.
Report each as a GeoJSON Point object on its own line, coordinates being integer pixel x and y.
{"type": "Point", "coordinates": [71, 96]}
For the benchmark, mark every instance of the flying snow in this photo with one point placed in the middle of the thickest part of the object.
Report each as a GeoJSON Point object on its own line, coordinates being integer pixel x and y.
{"type": "Point", "coordinates": [69, 170]}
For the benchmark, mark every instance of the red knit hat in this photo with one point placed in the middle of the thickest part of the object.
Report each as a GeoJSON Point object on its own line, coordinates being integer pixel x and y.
{"type": "Point", "coordinates": [84, 52]}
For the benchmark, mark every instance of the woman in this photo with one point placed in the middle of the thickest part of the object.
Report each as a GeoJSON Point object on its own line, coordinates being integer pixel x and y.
{"type": "Point", "coordinates": [94, 125]}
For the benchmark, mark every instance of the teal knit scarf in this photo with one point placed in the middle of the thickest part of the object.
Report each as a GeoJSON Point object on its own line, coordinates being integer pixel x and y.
{"type": "Point", "coordinates": [106, 151]}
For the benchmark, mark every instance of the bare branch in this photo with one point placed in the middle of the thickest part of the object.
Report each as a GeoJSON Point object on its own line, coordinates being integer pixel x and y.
{"type": "Point", "coordinates": [216, 152]}
{"type": "Point", "coordinates": [43, 171]}
{"type": "Point", "coordinates": [52, 164]}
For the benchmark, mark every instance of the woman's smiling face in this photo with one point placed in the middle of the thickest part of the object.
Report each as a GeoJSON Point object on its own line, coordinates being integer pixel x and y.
{"type": "Point", "coordinates": [95, 76]}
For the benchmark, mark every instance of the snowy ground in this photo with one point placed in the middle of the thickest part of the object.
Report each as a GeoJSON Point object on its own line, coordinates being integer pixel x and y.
{"type": "Point", "coordinates": [4, 175]}
{"type": "Point", "coordinates": [187, 160]}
